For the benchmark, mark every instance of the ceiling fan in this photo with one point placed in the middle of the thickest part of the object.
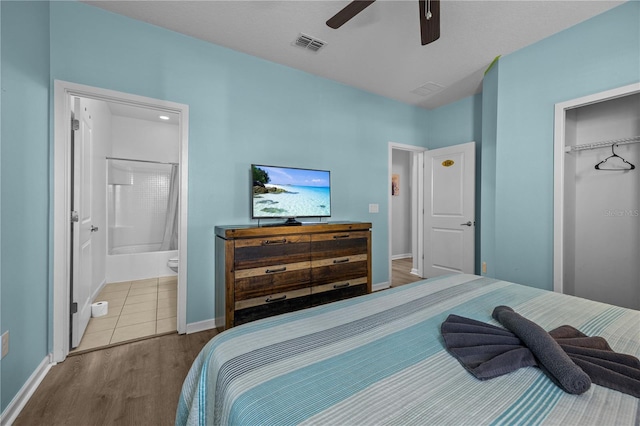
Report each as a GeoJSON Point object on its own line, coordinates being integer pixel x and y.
{"type": "Point", "coordinates": [429, 13]}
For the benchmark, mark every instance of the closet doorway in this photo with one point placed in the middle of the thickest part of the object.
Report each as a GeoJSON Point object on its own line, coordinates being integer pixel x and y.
{"type": "Point", "coordinates": [597, 197]}
{"type": "Point", "coordinates": [106, 107]}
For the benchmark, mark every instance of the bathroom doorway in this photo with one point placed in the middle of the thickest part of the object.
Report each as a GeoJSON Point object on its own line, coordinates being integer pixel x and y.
{"type": "Point", "coordinates": [129, 142]}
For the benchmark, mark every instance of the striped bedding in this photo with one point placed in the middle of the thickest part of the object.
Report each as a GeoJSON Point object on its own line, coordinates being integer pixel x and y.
{"type": "Point", "coordinates": [380, 359]}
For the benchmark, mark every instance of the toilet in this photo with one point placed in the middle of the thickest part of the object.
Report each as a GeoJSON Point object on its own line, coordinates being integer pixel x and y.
{"type": "Point", "coordinates": [172, 263]}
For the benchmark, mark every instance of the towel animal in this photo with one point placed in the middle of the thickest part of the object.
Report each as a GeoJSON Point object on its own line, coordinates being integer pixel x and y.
{"type": "Point", "coordinates": [571, 359]}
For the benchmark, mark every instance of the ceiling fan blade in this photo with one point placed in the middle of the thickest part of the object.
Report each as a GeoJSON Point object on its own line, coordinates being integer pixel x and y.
{"type": "Point", "coordinates": [429, 28]}
{"type": "Point", "coordinates": [348, 12]}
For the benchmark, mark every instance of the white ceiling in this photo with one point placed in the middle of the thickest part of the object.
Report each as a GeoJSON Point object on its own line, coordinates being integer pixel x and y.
{"type": "Point", "coordinates": [379, 50]}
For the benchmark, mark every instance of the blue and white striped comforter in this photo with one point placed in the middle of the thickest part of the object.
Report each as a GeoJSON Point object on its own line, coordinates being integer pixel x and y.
{"type": "Point", "coordinates": [380, 359]}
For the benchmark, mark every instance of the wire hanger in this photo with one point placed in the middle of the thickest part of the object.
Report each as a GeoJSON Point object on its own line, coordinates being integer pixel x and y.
{"type": "Point", "coordinates": [613, 154]}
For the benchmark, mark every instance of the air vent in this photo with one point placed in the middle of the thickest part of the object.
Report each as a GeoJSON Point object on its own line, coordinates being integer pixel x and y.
{"type": "Point", "coordinates": [309, 43]}
{"type": "Point", "coordinates": [428, 89]}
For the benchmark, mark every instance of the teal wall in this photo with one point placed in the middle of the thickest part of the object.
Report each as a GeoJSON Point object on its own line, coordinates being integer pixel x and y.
{"type": "Point", "coordinates": [457, 123]}
{"type": "Point", "coordinates": [244, 109]}
{"type": "Point", "coordinates": [241, 110]}
{"type": "Point", "coordinates": [487, 187]}
{"type": "Point", "coordinates": [24, 218]}
{"type": "Point", "coordinates": [600, 54]}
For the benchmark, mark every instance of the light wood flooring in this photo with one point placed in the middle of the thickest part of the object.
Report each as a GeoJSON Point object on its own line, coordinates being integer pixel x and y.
{"type": "Point", "coordinates": [134, 384]}
{"type": "Point", "coordinates": [401, 272]}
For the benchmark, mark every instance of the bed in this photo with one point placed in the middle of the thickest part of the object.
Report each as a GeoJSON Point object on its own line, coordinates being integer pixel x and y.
{"type": "Point", "coordinates": [380, 359]}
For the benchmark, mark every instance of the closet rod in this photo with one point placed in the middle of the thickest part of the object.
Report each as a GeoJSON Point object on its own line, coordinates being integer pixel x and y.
{"type": "Point", "coordinates": [634, 139]}
{"type": "Point", "coordinates": [141, 161]}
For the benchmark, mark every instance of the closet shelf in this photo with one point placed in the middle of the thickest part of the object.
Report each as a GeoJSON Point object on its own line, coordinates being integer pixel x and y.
{"type": "Point", "coordinates": [624, 141]}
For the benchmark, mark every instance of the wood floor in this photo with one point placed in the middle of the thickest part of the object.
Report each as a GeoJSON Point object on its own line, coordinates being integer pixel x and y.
{"type": "Point", "coordinates": [401, 272]}
{"type": "Point", "coordinates": [132, 384]}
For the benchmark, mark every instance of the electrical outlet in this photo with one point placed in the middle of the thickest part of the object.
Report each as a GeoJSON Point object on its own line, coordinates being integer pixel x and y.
{"type": "Point", "coordinates": [5, 343]}
{"type": "Point", "coordinates": [484, 267]}
{"type": "Point", "coordinates": [373, 208]}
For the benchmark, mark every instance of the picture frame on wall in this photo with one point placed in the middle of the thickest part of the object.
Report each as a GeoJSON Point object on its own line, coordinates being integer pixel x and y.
{"type": "Point", "coordinates": [395, 184]}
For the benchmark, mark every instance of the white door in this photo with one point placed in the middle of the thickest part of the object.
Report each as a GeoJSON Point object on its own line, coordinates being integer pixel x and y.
{"type": "Point", "coordinates": [82, 229]}
{"type": "Point", "coordinates": [449, 210]}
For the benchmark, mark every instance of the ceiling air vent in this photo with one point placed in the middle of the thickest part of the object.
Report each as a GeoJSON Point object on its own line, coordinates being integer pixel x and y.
{"type": "Point", "coordinates": [428, 89]}
{"type": "Point", "coordinates": [309, 43]}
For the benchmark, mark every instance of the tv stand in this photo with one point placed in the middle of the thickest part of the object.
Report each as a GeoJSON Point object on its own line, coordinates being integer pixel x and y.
{"type": "Point", "coordinates": [265, 271]}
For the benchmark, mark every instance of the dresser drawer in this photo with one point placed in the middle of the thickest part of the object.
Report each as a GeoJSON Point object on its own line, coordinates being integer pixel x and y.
{"type": "Point", "coordinates": [339, 244]}
{"type": "Point", "coordinates": [338, 285]}
{"type": "Point", "coordinates": [257, 252]}
{"type": "Point", "coordinates": [338, 291]}
{"type": "Point", "coordinates": [257, 282]}
{"type": "Point", "coordinates": [326, 271]}
{"type": "Point", "coordinates": [273, 304]}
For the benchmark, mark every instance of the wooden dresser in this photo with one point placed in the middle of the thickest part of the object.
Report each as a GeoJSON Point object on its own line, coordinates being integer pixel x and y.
{"type": "Point", "coordinates": [265, 271]}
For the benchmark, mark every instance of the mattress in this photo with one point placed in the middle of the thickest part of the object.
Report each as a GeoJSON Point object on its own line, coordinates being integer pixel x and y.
{"type": "Point", "coordinates": [380, 359]}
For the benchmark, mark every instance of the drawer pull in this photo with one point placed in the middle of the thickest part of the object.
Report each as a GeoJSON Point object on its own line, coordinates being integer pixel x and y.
{"type": "Point", "coordinates": [344, 285]}
{"type": "Point", "coordinates": [345, 260]}
{"type": "Point", "coordinates": [271, 271]}
{"type": "Point", "coordinates": [335, 237]}
{"type": "Point", "coordinates": [268, 242]}
{"type": "Point", "coordinates": [275, 299]}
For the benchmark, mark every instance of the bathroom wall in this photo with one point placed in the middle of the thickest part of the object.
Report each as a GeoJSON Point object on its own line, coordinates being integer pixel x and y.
{"type": "Point", "coordinates": [138, 139]}
{"type": "Point", "coordinates": [138, 196]}
{"type": "Point", "coordinates": [401, 205]}
{"type": "Point", "coordinates": [135, 138]}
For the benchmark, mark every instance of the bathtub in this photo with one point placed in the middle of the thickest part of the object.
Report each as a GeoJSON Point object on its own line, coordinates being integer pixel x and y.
{"type": "Point", "coordinates": [137, 262]}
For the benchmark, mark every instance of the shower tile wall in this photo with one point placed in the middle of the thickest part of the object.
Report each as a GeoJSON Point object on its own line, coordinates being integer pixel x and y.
{"type": "Point", "coordinates": [137, 197]}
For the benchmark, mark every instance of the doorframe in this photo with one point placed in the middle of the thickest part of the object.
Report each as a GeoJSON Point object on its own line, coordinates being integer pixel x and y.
{"type": "Point", "coordinates": [558, 169]}
{"type": "Point", "coordinates": [417, 201]}
{"type": "Point", "coordinates": [63, 91]}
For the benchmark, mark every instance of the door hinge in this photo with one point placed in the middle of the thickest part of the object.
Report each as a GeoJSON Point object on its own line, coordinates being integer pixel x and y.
{"type": "Point", "coordinates": [74, 308]}
{"type": "Point", "coordinates": [75, 124]}
{"type": "Point", "coordinates": [74, 216]}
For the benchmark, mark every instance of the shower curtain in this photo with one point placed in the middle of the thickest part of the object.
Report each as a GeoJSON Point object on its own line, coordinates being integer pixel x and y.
{"type": "Point", "coordinates": [170, 238]}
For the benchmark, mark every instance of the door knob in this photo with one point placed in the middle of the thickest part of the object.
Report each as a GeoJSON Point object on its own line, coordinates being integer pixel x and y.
{"type": "Point", "coordinates": [469, 223]}
{"type": "Point", "coordinates": [93, 228]}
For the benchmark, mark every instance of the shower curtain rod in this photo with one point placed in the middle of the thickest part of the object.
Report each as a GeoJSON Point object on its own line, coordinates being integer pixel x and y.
{"type": "Point", "coordinates": [141, 161]}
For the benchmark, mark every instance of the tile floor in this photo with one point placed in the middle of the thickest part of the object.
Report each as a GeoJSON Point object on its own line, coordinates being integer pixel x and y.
{"type": "Point", "coordinates": [136, 309]}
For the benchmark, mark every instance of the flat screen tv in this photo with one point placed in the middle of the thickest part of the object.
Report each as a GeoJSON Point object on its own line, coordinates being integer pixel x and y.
{"type": "Point", "coordinates": [289, 193]}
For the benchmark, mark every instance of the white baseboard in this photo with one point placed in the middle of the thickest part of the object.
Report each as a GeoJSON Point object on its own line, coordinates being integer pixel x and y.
{"type": "Point", "coordinates": [16, 405]}
{"type": "Point", "coordinates": [380, 286]}
{"type": "Point", "coordinates": [99, 289]}
{"type": "Point", "coordinates": [401, 256]}
{"type": "Point", "coordinates": [415, 272]}
{"type": "Point", "coordinates": [219, 322]}
{"type": "Point", "coordinates": [196, 327]}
